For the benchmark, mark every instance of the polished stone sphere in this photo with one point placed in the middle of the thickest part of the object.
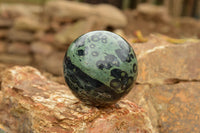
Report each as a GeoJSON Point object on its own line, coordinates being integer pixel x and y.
{"type": "Point", "coordinates": [100, 67]}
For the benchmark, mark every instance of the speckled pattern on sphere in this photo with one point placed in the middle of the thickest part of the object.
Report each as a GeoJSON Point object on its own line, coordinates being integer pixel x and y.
{"type": "Point", "coordinates": [100, 67]}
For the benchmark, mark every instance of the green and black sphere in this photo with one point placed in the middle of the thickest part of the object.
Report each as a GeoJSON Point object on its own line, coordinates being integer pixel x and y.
{"type": "Point", "coordinates": [100, 67]}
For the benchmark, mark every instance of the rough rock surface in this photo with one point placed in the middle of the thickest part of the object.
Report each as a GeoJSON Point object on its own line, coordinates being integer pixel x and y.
{"type": "Point", "coordinates": [168, 84]}
{"type": "Point", "coordinates": [31, 103]}
{"type": "Point", "coordinates": [175, 61]}
{"type": "Point", "coordinates": [177, 106]}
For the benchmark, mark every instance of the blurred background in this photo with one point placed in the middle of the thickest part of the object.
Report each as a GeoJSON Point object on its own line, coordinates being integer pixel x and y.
{"type": "Point", "coordinates": [176, 8]}
{"type": "Point", "coordinates": [38, 32]}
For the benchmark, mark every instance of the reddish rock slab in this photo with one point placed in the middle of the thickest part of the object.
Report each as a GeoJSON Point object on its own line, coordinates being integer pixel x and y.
{"type": "Point", "coordinates": [152, 42]}
{"type": "Point", "coordinates": [168, 85]}
{"type": "Point", "coordinates": [178, 107]}
{"type": "Point", "coordinates": [140, 94]}
{"type": "Point", "coordinates": [31, 103]}
{"type": "Point", "coordinates": [171, 108]}
{"type": "Point", "coordinates": [163, 60]}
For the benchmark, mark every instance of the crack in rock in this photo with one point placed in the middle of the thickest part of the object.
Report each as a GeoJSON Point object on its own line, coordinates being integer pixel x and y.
{"type": "Point", "coordinates": [171, 81]}
{"type": "Point", "coordinates": [168, 81]}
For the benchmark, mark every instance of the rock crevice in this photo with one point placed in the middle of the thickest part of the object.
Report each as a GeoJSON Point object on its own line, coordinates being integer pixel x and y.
{"type": "Point", "coordinates": [169, 81]}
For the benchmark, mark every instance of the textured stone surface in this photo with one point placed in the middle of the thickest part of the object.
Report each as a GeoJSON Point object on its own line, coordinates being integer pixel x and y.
{"type": "Point", "coordinates": [178, 107]}
{"type": "Point", "coordinates": [153, 41]}
{"type": "Point", "coordinates": [168, 61]}
{"type": "Point", "coordinates": [168, 84]}
{"type": "Point", "coordinates": [31, 103]}
{"type": "Point", "coordinates": [172, 108]}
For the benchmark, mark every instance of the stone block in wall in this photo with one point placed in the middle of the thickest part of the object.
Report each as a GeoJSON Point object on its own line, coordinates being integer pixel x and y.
{"type": "Point", "coordinates": [70, 33]}
{"type": "Point", "coordinates": [52, 63]}
{"type": "Point", "coordinates": [41, 48]}
{"type": "Point", "coordinates": [29, 24]}
{"type": "Point", "coordinates": [15, 59]}
{"type": "Point", "coordinates": [153, 12]}
{"type": "Point", "coordinates": [110, 16]}
{"type": "Point", "coordinates": [17, 10]}
{"type": "Point", "coordinates": [46, 37]}
{"type": "Point", "coordinates": [3, 47]}
{"type": "Point", "coordinates": [3, 33]}
{"type": "Point", "coordinates": [22, 36]}
{"type": "Point", "coordinates": [106, 15]}
{"type": "Point", "coordinates": [5, 23]}
{"type": "Point", "coordinates": [19, 48]}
